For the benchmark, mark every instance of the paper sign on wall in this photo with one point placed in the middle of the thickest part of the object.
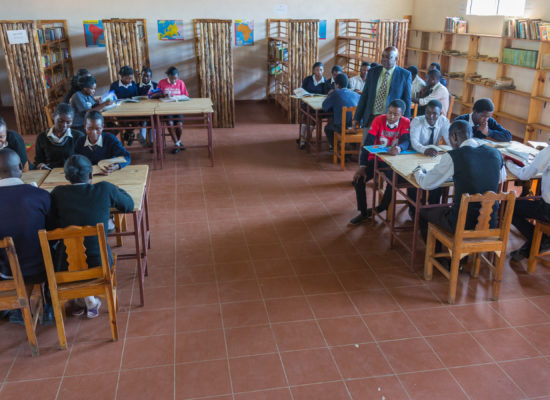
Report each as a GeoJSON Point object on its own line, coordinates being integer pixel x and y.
{"type": "Point", "coordinates": [93, 33]}
{"type": "Point", "coordinates": [17, 36]}
{"type": "Point", "coordinates": [170, 29]}
{"type": "Point", "coordinates": [281, 9]}
{"type": "Point", "coordinates": [323, 29]}
{"type": "Point", "coordinates": [244, 33]}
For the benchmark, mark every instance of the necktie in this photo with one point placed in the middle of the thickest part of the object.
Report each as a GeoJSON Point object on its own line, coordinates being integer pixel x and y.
{"type": "Point", "coordinates": [380, 101]}
{"type": "Point", "coordinates": [431, 141]}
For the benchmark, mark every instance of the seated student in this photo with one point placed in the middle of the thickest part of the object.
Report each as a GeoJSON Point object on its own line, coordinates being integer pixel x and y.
{"type": "Point", "coordinates": [357, 83]}
{"type": "Point", "coordinates": [125, 87]}
{"type": "Point", "coordinates": [97, 145]}
{"type": "Point", "coordinates": [437, 66]}
{"type": "Point", "coordinates": [340, 97]}
{"type": "Point", "coordinates": [12, 140]}
{"type": "Point", "coordinates": [390, 130]}
{"type": "Point", "coordinates": [53, 147]}
{"type": "Point", "coordinates": [527, 209]}
{"type": "Point", "coordinates": [314, 83]}
{"type": "Point", "coordinates": [335, 71]}
{"type": "Point", "coordinates": [84, 101]}
{"type": "Point", "coordinates": [172, 86]}
{"type": "Point", "coordinates": [82, 203]}
{"type": "Point", "coordinates": [146, 84]}
{"type": "Point", "coordinates": [473, 169]}
{"type": "Point", "coordinates": [417, 82]}
{"type": "Point", "coordinates": [433, 90]}
{"type": "Point", "coordinates": [75, 84]}
{"type": "Point", "coordinates": [483, 124]}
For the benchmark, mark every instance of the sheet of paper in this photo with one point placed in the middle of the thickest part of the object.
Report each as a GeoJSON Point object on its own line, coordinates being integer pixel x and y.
{"type": "Point", "coordinates": [17, 36]}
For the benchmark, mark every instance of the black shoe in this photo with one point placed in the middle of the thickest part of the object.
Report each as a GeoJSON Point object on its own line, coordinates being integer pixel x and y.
{"type": "Point", "coordinates": [176, 150]}
{"type": "Point", "coordinates": [359, 219]}
{"type": "Point", "coordinates": [16, 317]}
{"type": "Point", "coordinates": [47, 316]}
{"type": "Point", "coordinates": [519, 254]}
{"type": "Point", "coordinates": [302, 145]}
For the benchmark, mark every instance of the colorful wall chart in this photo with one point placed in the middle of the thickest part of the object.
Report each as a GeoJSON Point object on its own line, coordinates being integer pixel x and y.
{"type": "Point", "coordinates": [323, 29]}
{"type": "Point", "coordinates": [93, 33]}
{"type": "Point", "coordinates": [244, 33]}
{"type": "Point", "coordinates": [170, 29]}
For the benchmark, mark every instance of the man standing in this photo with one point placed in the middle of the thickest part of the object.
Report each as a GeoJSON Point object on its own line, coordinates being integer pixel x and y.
{"type": "Point", "coordinates": [357, 83]}
{"type": "Point", "coordinates": [384, 83]}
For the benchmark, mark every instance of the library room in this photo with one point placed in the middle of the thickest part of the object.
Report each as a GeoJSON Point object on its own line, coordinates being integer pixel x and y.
{"type": "Point", "coordinates": [208, 201]}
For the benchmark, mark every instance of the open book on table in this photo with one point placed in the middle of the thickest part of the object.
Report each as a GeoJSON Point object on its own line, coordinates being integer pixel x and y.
{"type": "Point", "coordinates": [172, 99]}
{"type": "Point", "coordinates": [537, 145]}
{"type": "Point", "coordinates": [442, 148]}
{"type": "Point", "coordinates": [379, 149]}
{"type": "Point", "coordinates": [519, 153]}
{"type": "Point", "coordinates": [102, 165]}
{"type": "Point", "coordinates": [301, 92]}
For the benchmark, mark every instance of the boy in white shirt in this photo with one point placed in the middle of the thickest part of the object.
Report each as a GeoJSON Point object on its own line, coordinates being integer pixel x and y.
{"type": "Point", "coordinates": [434, 90]}
{"type": "Point", "coordinates": [357, 83]}
{"type": "Point", "coordinates": [417, 82]}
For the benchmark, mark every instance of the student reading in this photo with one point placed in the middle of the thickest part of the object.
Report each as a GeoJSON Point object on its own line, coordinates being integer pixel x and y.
{"type": "Point", "coordinates": [433, 90]}
{"type": "Point", "coordinates": [84, 101]}
{"type": "Point", "coordinates": [357, 83]}
{"type": "Point", "coordinates": [483, 124]}
{"type": "Point", "coordinates": [315, 84]}
{"type": "Point", "coordinates": [12, 140]}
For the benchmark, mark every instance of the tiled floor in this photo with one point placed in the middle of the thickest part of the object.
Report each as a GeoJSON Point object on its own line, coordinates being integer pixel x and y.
{"type": "Point", "coordinates": [258, 290]}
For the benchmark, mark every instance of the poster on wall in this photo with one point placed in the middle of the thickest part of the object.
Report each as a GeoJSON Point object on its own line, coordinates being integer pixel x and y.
{"type": "Point", "coordinates": [93, 33]}
{"type": "Point", "coordinates": [244, 33]}
{"type": "Point", "coordinates": [323, 29]}
{"type": "Point", "coordinates": [170, 29]}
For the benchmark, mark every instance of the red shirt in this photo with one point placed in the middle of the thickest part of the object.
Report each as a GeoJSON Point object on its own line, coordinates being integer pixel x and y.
{"type": "Point", "coordinates": [172, 90]}
{"type": "Point", "coordinates": [386, 136]}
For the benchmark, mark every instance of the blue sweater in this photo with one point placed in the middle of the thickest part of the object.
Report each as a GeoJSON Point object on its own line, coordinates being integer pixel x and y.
{"type": "Point", "coordinates": [111, 148]}
{"type": "Point", "coordinates": [123, 92]}
{"type": "Point", "coordinates": [144, 89]}
{"type": "Point", "coordinates": [23, 214]}
{"type": "Point", "coordinates": [496, 131]}
{"type": "Point", "coordinates": [336, 100]}
{"type": "Point", "coordinates": [308, 85]}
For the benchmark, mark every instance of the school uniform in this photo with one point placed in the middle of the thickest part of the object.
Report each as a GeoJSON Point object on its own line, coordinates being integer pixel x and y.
{"type": "Point", "coordinates": [438, 92]}
{"type": "Point", "coordinates": [123, 91]}
{"type": "Point", "coordinates": [496, 131]}
{"type": "Point", "coordinates": [417, 85]}
{"type": "Point", "coordinates": [81, 104]}
{"type": "Point", "coordinates": [15, 142]}
{"type": "Point", "coordinates": [314, 86]}
{"type": "Point", "coordinates": [532, 209]}
{"type": "Point", "coordinates": [107, 146]}
{"type": "Point", "coordinates": [176, 89]}
{"type": "Point", "coordinates": [357, 83]}
{"type": "Point", "coordinates": [380, 133]}
{"type": "Point", "coordinates": [443, 81]}
{"type": "Point", "coordinates": [334, 102]}
{"type": "Point", "coordinates": [143, 88]}
{"type": "Point", "coordinates": [53, 151]}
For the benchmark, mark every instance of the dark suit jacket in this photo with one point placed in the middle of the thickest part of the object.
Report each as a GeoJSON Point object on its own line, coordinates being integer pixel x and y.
{"type": "Point", "coordinates": [400, 88]}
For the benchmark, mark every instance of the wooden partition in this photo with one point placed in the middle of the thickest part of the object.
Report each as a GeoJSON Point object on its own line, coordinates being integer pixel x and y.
{"type": "Point", "coordinates": [25, 72]}
{"type": "Point", "coordinates": [215, 68]}
{"type": "Point", "coordinates": [126, 44]}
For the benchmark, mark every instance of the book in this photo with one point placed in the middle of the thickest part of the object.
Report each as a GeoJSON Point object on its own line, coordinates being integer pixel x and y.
{"type": "Point", "coordinates": [537, 145]}
{"type": "Point", "coordinates": [442, 148]}
{"type": "Point", "coordinates": [102, 165]}
{"type": "Point", "coordinates": [110, 95]}
{"type": "Point", "coordinates": [173, 99]}
{"type": "Point", "coordinates": [379, 149]}
{"type": "Point", "coordinates": [301, 92]}
{"type": "Point", "coordinates": [131, 100]}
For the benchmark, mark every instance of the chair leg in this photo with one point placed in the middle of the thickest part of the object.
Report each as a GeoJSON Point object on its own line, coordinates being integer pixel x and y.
{"type": "Point", "coordinates": [455, 262]}
{"type": "Point", "coordinates": [430, 250]}
{"type": "Point", "coordinates": [343, 154]}
{"type": "Point", "coordinates": [112, 311]}
{"type": "Point", "coordinates": [476, 264]}
{"type": "Point", "coordinates": [497, 276]}
{"type": "Point", "coordinates": [59, 320]}
{"type": "Point", "coordinates": [534, 251]}
{"type": "Point", "coordinates": [335, 151]}
{"type": "Point", "coordinates": [31, 334]}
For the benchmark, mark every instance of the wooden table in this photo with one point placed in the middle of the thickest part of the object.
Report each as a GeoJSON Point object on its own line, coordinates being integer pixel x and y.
{"type": "Point", "coordinates": [133, 179]}
{"type": "Point", "coordinates": [313, 112]}
{"type": "Point", "coordinates": [128, 115]}
{"type": "Point", "coordinates": [35, 176]}
{"type": "Point", "coordinates": [193, 113]}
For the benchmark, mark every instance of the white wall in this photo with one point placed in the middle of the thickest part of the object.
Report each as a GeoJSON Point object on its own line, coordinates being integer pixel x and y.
{"type": "Point", "coordinates": [250, 64]}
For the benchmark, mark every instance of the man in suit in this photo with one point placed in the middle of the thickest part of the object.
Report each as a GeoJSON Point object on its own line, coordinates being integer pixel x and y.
{"type": "Point", "coordinates": [384, 83]}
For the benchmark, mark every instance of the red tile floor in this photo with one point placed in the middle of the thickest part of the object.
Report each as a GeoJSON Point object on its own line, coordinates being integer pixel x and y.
{"type": "Point", "coordinates": [259, 290]}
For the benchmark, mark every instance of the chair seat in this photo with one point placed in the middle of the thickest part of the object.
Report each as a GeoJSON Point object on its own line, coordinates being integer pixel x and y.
{"type": "Point", "coordinates": [351, 138]}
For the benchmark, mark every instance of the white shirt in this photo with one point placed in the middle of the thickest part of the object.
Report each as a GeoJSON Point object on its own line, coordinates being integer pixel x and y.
{"type": "Point", "coordinates": [56, 139]}
{"type": "Point", "coordinates": [439, 92]}
{"type": "Point", "coordinates": [11, 182]}
{"type": "Point", "coordinates": [421, 132]}
{"type": "Point", "coordinates": [316, 83]}
{"type": "Point", "coordinates": [357, 83]}
{"type": "Point", "coordinates": [471, 120]}
{"type": "Point", "coordinates": [417, 85]}
{"type": "Point", "coordinates": [541, 163]}
{"type": "Point", "coordinates": [98, 143]}
{"type": "Point", "coordinates": [123, 85]}
{"type": "Point", "coordinates": [444, 171]}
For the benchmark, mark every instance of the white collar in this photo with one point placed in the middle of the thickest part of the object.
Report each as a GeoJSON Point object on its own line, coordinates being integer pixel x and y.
{"type": "Point", "coordinates": [56, 139]}
{"type": "Point", "coordinates": [436, 86]}
{"type": "Point", "coordinates": [437, 122]}
{"type": "Point", "coordinates": [141, 84]}
{"type": "Point", "coordinates": [4, 145]}
{"type": "Point", "coordinates": [11, 182]}
{"type": "Point", "coordinates": [123, 85]}
{"type": "Point", "coordinates": [98, 143]}
{"type": "Point", "coordinates": [470, 142]}
{"type": "Point", "coordinates": [322, 80]}
{"type": "Point", "coordinates": [471, 119]}
{"type": "Point", "coordinates": [393, 126]}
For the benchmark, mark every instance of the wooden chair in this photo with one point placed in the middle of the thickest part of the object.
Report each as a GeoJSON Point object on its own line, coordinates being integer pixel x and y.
{"type": "Point", "coordinates": [414, 110]}
{"type": "Point", "coordinates": [472, 241]}
{"type": "Point", "coordinates": [80, 279]}
{"type": "Point", "coordinates": [535, 254]}
{"type": "Point", "coordinates": [451, 104]}
{"type": "Point", "coordinates": [49, 109]}
{"type": "Point", "coordinates": [345, 136]}
{"type": "Point", "coordinates": [13, 295]}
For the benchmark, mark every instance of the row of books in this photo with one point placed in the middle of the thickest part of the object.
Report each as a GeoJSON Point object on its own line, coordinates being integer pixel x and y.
{"type": "Point", "coordinates": [520, 57]}
{"type": "Point", "coordinates": [456, 25]}
{"type": "Point", "coordinates": [51, 34]}
{"type": "Point", "coordinates": [62, 54]}
{"type": "Point", "coordinates": [534, 29]}
{"type": "Point", "coordinates": [278, 51]}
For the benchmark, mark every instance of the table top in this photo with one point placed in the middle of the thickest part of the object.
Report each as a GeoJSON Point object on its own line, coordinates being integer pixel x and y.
{"type": "Point", "coordinates": [191, 106]}
{"type": "Point", "coordinates": [144, 107]}
{"type": "Point", "coordinates": [37, 176]}
{"type": "Point", "coordinates": [315, 102]}
{"type": "Point", "coordinates": [132, 179]}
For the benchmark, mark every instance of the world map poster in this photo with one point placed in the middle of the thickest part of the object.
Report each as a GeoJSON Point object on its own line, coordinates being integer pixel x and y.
{"type": "Point", "coordinates": [244, 33]}
{"type": "Point", "coordinates": [93, 33]}
{"type": "Point", "coordinates": [170, 29]}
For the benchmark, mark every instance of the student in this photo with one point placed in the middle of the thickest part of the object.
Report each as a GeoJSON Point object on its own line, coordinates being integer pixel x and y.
{"type": "Point", "coordinates": [357, 83]}
{"type": "Point", "coordinates": [529, 209]}
{"type": "Point", "coordinates": [75, 84]}
{"type": "Point", "coordinates": [315, 83]}
{"type": "Point", "coordinates": [483, 124]}
{"type": "Point", "coordinates": [172, 86]}
{"type": "Point", "coordinates": [83, 101]}
{"type": "Point", "coordinates": [82, 203]}
{"type": "Point", "coordinates": [433, 90]}
{"type": "Point", "coordinates": [98, 145]}
{"type": "Point", "coordinates": [146, 84]}
{"type": "Point", "coordinates": [329, 85]}
{"type": "Point", "coordinates": [390, 130]}
{"type": "Point", "coordinates": [473, 168]}
{"type": "Point", "coordinates": [12, 140]}
{"type": "Point", "coordinates": [125, 87]}
{"type": "Point", "coordinates": [53, 147]}
{"type": "Point", "coordinates": [417, 82]}
{"type": "Point", "coordinates": [435, 65]}
{"type": "Point", "coordinates": [340, 97]}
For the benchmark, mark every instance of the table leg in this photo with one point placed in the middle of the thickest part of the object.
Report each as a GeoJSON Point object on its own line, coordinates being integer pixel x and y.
{"type": "Point", "coordinates": [140, 271]}
{"type": "Point", "coordinates": [416, 225]}
{"type": "Point", "coordinates": [153, 132]}
{"type": "Point", "coordinates": [375, 187]}
{"type": "Point", "coordinates": [393, 206]}
{"type": "Point", "coordinates": [146, 217]}
{"type": "Point", "coordinates": [210, 139]}
{"type": "Point", "coordinates": [308, 129]}
{"type": "Point", "coordinates": [159, 145]}
{"type": "Point", "coordinates": [318, 133]}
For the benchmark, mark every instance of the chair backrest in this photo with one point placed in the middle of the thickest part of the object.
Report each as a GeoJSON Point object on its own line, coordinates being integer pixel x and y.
{"type": "Point", "coordinates": [17, 283]}
{"type": "Point", "coordinates": [414, 110]}
{"type": "Point", "coordinates": [73, 239]}
{"type": "Point", "coordinates": [345, 129]}
{"type": "Point", "coordinates": [482, 229]}
{"type": "Point", "coordinates": [49, 109]}
{"type": "Point", "coordinates": [451, 104]}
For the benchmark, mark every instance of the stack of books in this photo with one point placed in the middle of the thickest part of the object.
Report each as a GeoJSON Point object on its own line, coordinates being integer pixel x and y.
{"type": "Point", "coordinates": [456, 25]}
{"type": "Point", "coordinates": [520, 57]}
{"type": "Point", "coordinates": [533, 29]}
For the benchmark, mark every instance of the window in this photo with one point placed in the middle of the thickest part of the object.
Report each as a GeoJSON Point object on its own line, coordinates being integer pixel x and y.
{"type": "Point", "coordinates": [512, 8]}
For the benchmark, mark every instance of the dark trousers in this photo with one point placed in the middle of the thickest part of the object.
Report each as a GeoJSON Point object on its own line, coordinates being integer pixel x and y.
{"type": "Point", "coordinates": [434, 197]}
{"type": "Point", "coordinates": [440, 216]}
{"type": "Point", "coordinates": [329, 132]}
{"type": "Point", "coordinates": [527, 209]}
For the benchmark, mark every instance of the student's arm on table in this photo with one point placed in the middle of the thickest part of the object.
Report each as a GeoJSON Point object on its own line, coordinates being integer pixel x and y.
{"type": "Point", "coordinates": [438, 175]}
{"type": "Point", "coordinates": [539, 164]}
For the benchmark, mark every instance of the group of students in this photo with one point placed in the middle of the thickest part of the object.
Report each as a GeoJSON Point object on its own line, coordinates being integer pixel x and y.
{"type": "Point", "coordinates": [383, 110]}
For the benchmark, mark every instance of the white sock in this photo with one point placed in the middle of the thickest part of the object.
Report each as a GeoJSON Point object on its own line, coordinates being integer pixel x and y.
{"type": "Point", "coordinates": [90, 301]}
{"type": "Point", "coordinates": [144, 133]}
{"type": "Point", "coordinates": [178, 143]}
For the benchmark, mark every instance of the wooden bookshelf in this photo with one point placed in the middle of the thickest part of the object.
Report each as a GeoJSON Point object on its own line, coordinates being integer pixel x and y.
{"type": "Point", "coordinates": [278, 72]}
{"type": "Point", "coordinates": [420, 45]}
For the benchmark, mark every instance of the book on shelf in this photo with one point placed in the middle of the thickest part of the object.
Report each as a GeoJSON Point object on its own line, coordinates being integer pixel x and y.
{"type": "Point", "coordinates": [456, 25]}
{"type": "Point", "coordinates": [523, 28]}
{"type": "Point", "coordinates": [520, 57]}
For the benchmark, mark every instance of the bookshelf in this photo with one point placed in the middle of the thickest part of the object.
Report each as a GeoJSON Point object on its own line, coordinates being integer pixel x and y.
{"type": "Point", "coordinates": [472, 75]}
{"type": "Point", "coordinates": [278, 74]}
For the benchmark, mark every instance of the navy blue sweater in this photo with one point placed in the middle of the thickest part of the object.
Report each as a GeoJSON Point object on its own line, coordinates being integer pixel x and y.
{"type": "Point", "coordinates": [23, 213]}
{"type": "Point", "coordinates": [308, 85]}
{"type": "Point", "coordinates": [111, 148]}
{"type": "Point", "coordinates": [17, 144]}
{"type": "Point", "coordinates": [335, 101]}
{"type": "Point", "coordinates": [123, 92]}
{"type": "Point", "coordinates": [144, 89]}
{"type": "Point", "coordinates": [53, 154]}
{"type": "Point", "coordinates": [496, 131]}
